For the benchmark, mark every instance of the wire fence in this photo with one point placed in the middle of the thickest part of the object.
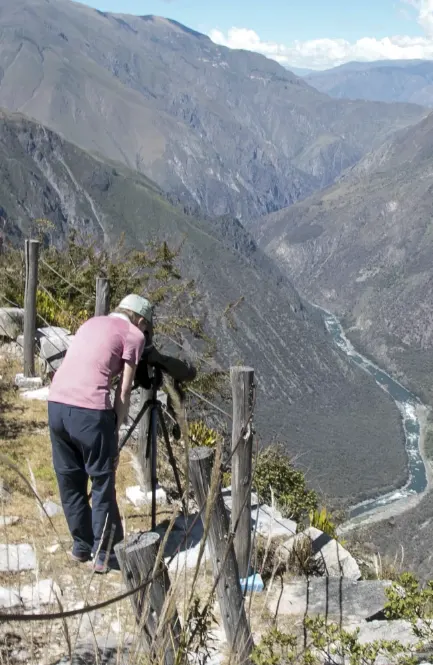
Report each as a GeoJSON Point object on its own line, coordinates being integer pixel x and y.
{"type": "Point", "coordinates": [57, 340]}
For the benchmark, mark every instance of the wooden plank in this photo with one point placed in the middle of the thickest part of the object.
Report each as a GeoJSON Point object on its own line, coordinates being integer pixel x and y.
{"type": "Point", "coordinates": [31, 253]}
{"type": "Point", "coordinates": [159, 625]}
{"type": "Point", "coordinates": [242, 381]}
{"type": "Point", "coordinates": [223, 558]}
{"type": "Point", "coordinates": [102, 307]}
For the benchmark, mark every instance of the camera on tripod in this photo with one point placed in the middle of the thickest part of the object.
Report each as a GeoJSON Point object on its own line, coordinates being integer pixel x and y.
{"type": "Point", "coordinates": [149, 376]}
{"type": "Point", "coordinates": [150, 372]}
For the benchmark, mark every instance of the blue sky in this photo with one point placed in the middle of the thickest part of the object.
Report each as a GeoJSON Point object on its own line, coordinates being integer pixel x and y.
{"type": "Point", "coordinates": [311, 33]}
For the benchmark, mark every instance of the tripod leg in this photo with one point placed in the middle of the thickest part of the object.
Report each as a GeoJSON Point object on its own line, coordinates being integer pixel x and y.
{"type": "Point", "coordinates": [172, 459]}
{"type": "Point", "coordinates": [135, 422]}
{"type": "Point", "coordinates": [154, 431]}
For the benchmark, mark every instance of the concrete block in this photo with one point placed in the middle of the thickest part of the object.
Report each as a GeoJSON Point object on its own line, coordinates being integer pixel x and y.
{"type": "Point", "coordinates": [14, 558]}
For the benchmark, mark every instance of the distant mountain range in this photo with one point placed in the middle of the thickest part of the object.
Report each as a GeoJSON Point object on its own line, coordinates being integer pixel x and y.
{"type": "Point", "coordinates": [382, 81]}
{"type": "Point", "coordinates": [231, 132]}
{"type": "Point", "coordinates": [363, 248]}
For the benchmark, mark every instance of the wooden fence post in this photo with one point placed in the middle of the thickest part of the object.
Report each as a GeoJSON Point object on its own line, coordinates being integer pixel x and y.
{"type": "Point", "coordinates": [158, 622]}
{"type": "Point", "coordinates": [242, 380]}
{"type": "Point", "coordinates": [224, 562]}
{"type": "Point", "coordinates": [102, 306]}
{"type": "Point", "coordinates": [31, 254]}
{"type": "Point", "coordinates": [143, 434]}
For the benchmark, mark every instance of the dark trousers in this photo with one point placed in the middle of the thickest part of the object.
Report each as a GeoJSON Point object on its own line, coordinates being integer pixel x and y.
{"type": "Point", "coordinates": [84, 445]}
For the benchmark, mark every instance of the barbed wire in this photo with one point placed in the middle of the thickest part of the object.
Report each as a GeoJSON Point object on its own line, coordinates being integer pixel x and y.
{"type": "Point", "coordinates": [208, 402]}
{"type": "Point", "coordinates": [73, 286]}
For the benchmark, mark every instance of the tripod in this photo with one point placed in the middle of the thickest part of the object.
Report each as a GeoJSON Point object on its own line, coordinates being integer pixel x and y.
{"type": "Point", "coordinates": [156, 416]}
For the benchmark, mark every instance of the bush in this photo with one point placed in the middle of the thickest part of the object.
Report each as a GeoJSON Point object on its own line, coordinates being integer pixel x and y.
{"type": "Point", "coordinates": [322, 520]}
{"type": "Point", "coordinates": [275, 474]}
{"type": "Point", "coordinates": [202, 435]}
{"type": "Point", "coordinates": [408, 600]}
{"type": "Point", "coordinates": [67, 281]}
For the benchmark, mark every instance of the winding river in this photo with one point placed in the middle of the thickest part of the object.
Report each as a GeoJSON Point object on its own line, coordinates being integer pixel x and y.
{"type": "Point", "coordinates": [406, 403]}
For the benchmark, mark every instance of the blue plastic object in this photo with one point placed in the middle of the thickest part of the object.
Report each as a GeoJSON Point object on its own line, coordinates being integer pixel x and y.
{"type": "Point", "coordinates": [252, 583]}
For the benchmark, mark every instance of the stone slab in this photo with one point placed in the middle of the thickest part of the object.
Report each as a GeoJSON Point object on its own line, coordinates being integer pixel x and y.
{"type": "Point", "coordinates": [333, 560]}
{"type": "Point", "coordinates": [270, 523]}
{"type": "Point", "coordinates": [8, 520]}
{"type": "Point", "coordinates": [11, 322]}
{"type": "Point", "coordinates": [331, 597]}
{"type": "Point", "coordinates": [43, 592]}
{"type": "Point", "coordinates": [185, 549]}
{"type": "Point", "coordinates": [40, 394]}
{"type": "Point", "coordinates": [9, 598]}
{"type": "Point", "coordinates": [138, 498]}
{"type": "Point", "coordinates": [14, 558]}
{"type": "Point", "coordinates": [385, 630]}
{"type": "Point", "coordinates": [227, 496]}
{"type": "Point", "coordinates": [28, 383]}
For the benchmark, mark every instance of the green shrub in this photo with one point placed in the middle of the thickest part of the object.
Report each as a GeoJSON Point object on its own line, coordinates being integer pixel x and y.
{"type": "Point", "coordinates": [321, 519]}
{"type": "Point", "coordinates": [327, 642]}
{"type": "Point", "coordinates": [202, 435]}
{"type": "Point", "coordinates": [407, 599]}
{"type": "Point", "coordinates": [67, 280]}
{"type": "Point", "coordinates": [275, 474]}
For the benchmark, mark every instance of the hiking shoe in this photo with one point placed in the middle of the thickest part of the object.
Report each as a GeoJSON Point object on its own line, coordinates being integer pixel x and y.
{"type": "Point", "coordinates": [104, 565]}
{"type": "Point", "coordinates": [80, 558]}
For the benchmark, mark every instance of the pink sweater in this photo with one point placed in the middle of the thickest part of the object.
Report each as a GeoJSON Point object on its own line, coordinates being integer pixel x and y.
{"type": "Point", "coordinates": [96, 355]}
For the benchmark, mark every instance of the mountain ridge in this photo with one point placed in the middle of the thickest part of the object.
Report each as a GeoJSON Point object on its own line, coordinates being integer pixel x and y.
{"type": "Point", "coordinates": [362, 248]}
{"type": "Point", "coordinates": [385, 81]}
{"type": "Point", "coordinates": [231, 131]}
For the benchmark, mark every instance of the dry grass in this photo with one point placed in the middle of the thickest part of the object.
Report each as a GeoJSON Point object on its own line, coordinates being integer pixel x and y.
{"type": "Point", "coordinates": [24, 440]}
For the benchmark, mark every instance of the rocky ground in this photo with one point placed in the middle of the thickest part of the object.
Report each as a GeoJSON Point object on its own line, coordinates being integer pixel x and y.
{"type": "Point", "coordinates": [37, 575]}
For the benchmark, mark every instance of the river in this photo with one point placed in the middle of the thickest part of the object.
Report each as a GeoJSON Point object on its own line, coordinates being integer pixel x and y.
{"type": "Point", "coordinates": [407, 404]}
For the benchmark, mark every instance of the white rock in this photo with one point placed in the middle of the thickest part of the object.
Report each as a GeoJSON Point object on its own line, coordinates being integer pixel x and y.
{"type": "Point", "coordinates": [340, 599]}
{"type": "Point", "coordinates": [227, 496]}
{"type": "Point", "coordinates": [52, 549]}
{"type": "Point", "coordinates": [29, 382]}
{"type": "Point", "coordinates": [398, 630]}
{"type": "Point", "coordinates": [43, 592]}
{"type": "Point", "coordinates": [52, 509]}
{"type": "Point", "coordinates": [11, 322]}
{"type": "Point", "coordinates": [90, 621]}
{"type": "Point", "coordinates": [9, 598]}
{"type": "Point", "coordinates": [8, 520]}
{"type": "Point", "coordinates": [335, 560]}
{"type": "Point", "coordinates": [187, 559]}
{"type": "Point", "coordinates": [39, 394]}
{"type": "Point", "coordinates": [139, 498]}
{"type": "Point", "coordinates": [271, 523]}
{"type": "Point", "coordinates": [14, 558]}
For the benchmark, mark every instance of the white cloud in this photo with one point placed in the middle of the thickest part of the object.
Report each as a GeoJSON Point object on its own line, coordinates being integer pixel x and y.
{"type": "Point", "coordinates": [323, 53]}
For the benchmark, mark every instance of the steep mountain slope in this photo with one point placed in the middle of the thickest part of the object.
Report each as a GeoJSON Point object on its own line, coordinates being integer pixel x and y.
{"type": "Point", "coordinates": [382, 81]}
{"type": "Point", "coordinates": [328, 412]}
{"type": "Point", "coordinates": [230, 130]}
{"type": "Point", "coordinates": [363, 248]}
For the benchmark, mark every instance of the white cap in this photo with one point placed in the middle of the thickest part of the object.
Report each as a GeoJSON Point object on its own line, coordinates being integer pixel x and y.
{"type": "Point", "coordinates": [139, 305]}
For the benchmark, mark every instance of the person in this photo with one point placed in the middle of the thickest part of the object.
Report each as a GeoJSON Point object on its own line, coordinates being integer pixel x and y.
{"type": "Point", "coordinates": [84, 424]}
